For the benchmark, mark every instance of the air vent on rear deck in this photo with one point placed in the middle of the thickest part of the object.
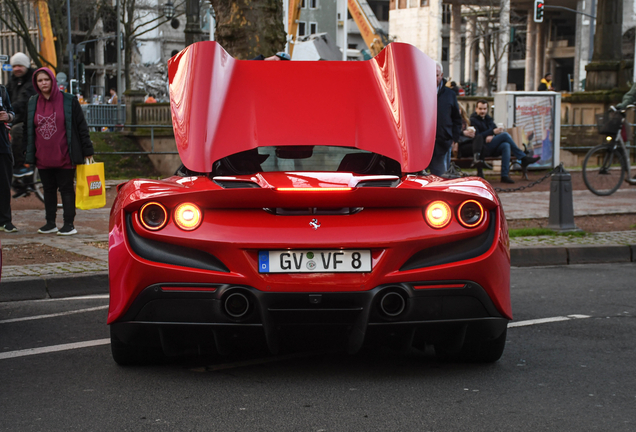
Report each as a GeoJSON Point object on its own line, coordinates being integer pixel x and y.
{"type": "Point", "coordinates": [313, 211]}
{"type": "Point", "coordinates": [379, 183]}
{"type": "Point", "coordinates": [236, 184]}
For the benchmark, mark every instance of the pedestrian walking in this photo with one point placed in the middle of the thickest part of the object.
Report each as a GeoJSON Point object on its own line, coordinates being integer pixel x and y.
{"type": "Point", "coordinates": [56, 140]}
{"type": "Point", "coordinates": [20, 89]}
{"type": "Point", "coordinates": [6, 162]}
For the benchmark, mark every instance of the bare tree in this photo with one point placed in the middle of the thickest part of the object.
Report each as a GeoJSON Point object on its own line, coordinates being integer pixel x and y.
{"type": "Point", "coordinates": [488, 29]}
{"type": "Point", "coordinates": [138, 18]}
{"type": "Point", "coordinates": [12, 15]}
{"type": "Point", "coordinates": [248, 28]}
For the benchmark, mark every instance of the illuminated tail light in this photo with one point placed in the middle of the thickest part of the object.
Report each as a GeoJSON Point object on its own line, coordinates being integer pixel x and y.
{"type": "Point", "coordinates": [438, 214]}
{"type": "Point", "coordinates": [188, 216]}
{"type": "Point", "coordinates": [470, 213]}
{"type": "Point", "coordinates": [316, 189]}
{"type": "Point", "coordinates": [153, 216]}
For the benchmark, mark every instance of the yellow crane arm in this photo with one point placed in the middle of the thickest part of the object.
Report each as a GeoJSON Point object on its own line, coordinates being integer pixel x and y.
{"type": "Point", "coordinates": [47, 41]}
{"type": "Point", "coordinates": [292, 27]}
{"type": "Point", "coordinates": [365, 21]}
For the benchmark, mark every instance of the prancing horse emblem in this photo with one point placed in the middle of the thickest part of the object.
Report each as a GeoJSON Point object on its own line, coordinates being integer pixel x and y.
{"type": "Point", "coordinates": [314, 224]}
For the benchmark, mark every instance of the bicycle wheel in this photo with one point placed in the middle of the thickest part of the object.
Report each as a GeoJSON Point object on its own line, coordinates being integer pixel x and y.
{"type": "Point", "coordinates": [603, 170]}
{"type": "Point", "coordinates": [37, 185]}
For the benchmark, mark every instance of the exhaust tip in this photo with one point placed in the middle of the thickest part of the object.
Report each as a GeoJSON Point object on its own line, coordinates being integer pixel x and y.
{"type": "Point", "coordinates": [236, 305]}
{"type": "Point", "coordinates": [392, 304]}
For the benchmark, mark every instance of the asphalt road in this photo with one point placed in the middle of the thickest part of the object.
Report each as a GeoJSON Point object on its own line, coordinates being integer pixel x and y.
{"type": "Point", "coordinates": [575, 373]}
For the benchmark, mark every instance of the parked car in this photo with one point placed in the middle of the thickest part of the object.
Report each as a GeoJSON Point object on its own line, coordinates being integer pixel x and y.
{"type": "Point", "coordinates": [303, 206]}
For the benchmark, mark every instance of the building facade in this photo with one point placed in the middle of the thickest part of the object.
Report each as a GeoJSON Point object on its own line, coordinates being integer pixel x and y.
{"type": "Point", "coordinates": [497, 45]}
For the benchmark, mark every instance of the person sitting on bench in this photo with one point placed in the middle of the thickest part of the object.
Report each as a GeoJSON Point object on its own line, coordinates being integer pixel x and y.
{"type": "Point", "coordinates": [471, 144]}
{"type": "Point", "coordinates": [497, 142]}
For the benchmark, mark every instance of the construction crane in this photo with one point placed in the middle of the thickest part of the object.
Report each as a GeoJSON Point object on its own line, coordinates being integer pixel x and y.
{"type": "Point", "coordinates": [292, 26]}
{"type": "Point", "coordinates": [47, 41]}
{"type": "Point", "coordinates": [372, 33]}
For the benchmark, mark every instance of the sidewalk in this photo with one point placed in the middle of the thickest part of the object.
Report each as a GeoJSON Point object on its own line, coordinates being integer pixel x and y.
{"type": "Point", "coordinates": [61, 279]}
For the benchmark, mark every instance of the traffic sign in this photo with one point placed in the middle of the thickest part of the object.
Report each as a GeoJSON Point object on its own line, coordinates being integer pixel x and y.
{"type": "Point", "coordinates": [4, 58]}
{"type": "Point", "coordinates": [7, 67]}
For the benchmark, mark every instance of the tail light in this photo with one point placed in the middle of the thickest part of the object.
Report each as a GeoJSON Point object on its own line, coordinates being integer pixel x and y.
{"type": "Point", "coordinates": [438, 214]}
{"type": "Point", "coordinates": [153, 216]}
{"type": "Point", "coordinates": [188, 216]}
{"type": "Point", "coordinates": [470, 213]}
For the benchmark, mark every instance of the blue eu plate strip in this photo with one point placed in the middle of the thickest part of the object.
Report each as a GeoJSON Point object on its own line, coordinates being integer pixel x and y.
{"type": "Point", "coordinates": [263, 261]}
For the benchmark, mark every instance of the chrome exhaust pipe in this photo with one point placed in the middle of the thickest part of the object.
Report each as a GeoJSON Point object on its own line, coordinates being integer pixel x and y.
{"type": "Point", "coordinates": [236, 305]}
{"type": "Point", "coordinates": [392, 304]}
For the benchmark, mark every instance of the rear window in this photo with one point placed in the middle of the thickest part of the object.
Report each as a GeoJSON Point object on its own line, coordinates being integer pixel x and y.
{"type": "Point", "coordinates": [306, 159]}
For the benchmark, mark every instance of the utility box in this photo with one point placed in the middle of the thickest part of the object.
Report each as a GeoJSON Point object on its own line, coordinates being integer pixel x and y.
{"type": "Point", "coordinates": [533, 119]}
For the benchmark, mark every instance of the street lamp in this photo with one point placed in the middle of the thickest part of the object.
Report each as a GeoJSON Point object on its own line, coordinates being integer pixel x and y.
{"type": "Point", "coordinates": [168, 10]}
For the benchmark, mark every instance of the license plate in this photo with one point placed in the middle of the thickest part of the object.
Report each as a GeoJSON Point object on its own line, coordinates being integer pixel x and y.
{"type": "Point", "coordinates": [316, 261]}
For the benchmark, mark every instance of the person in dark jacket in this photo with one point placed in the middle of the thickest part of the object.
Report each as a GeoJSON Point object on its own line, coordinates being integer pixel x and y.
{"type": "Point", "coordinates": [56, 139]}
{"type": "Point", "coordinates": [20, 89]}
{"type": "Point", "coordinates": [546, 83]}
{"type": "Point", "coordinates": [449, 125]}
{"type": "Point", "coordinates": [6, 162]}
{"type": "Point", "coordinates": [497, 142]}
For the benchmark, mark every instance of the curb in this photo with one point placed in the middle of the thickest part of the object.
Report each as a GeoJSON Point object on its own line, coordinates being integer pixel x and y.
{"type": "Point", "coordinates": [547, 256]}
{"type": "Point", "coordinates": [58, 286]}
{"type": "Point", "coordinates": [15, 289]}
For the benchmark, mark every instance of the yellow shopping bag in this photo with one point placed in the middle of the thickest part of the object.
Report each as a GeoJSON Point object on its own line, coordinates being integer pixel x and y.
{"type": "Point", "coordinates": [91, 186]}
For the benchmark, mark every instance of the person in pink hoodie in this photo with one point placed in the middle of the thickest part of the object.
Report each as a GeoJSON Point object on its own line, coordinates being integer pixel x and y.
{"type": "Point", "coordinates": [56, 140]}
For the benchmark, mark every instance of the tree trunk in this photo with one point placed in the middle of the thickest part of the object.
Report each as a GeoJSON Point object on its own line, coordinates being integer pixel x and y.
{"type": "Point", "coordinates": [129, 39]}
{"type": "Point", "coordinates": [247, 28]}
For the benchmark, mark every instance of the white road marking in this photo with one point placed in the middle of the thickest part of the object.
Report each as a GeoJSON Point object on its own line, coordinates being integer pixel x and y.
{"type": "Point", "coordinates": [87, 297]}
{"type": "Point", "coordinates": [54, 348]}
{"type": "Point", "coordinates": [546, 320]}
{"type": "Point", "coordinates": [36, 317]}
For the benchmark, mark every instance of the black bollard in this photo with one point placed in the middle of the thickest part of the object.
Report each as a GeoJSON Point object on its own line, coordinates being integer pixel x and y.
{"type": "Point", "coordinates": [561, 218]}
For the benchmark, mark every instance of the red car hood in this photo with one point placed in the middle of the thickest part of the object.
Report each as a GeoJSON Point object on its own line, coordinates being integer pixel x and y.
{"type": "Point", "coordinates": [221, 106]}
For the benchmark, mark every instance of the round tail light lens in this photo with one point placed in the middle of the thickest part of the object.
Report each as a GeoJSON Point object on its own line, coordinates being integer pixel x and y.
{"type": "Point", "coordinates": [153, 216]}
{"type": "Point", "coordinates": [188, 216]}
{"type": "Point", "coordinates": [438, 214]}
{"type": "Point", "coordinates": [470, 214]}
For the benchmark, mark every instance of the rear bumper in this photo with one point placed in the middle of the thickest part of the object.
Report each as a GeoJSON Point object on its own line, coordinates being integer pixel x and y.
{"type": "Point", "coordinates": [432, 310]}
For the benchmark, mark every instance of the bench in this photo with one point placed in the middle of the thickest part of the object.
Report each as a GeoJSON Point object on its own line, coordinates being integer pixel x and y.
{"type": "Point", "coordinates": [466, 162]}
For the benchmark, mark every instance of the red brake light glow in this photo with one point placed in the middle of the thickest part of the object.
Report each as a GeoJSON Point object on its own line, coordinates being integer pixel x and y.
{"type": "Point", "coordinates": [438, 214]}
{"type": "Point", "coordinates": [188, 216]}
{"type": "Point", "coordinates": [316, 189]}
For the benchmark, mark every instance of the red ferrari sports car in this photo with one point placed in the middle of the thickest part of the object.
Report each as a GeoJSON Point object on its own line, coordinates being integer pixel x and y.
{"type": "Point", "coordinates": [302, 206]}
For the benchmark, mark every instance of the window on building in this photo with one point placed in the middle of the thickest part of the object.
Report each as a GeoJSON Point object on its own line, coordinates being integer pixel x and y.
{"type": "Point", "coordinates": [423, 3]}
{"type": "Point", "coordinates": [313, 4]}
{"type": "Point", "coordinates": [402, 4]}
{"type": "Point", "coordinates": [302, 28]}
{"type": "Point", "coordinates": [303, 4]}
{"type": "Point", "coordinates": [392, 4]}
{"type": "Point", "coordinates": [352, 46]}
{"type": "Point", "coordinates": [446, 13]}
{"type": "Point", "coordinates": [444, 54]}
{"type": "Point", "coordinates": [313, 28]}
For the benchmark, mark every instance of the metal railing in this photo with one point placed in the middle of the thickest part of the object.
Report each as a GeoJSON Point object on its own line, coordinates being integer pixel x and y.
{"type": "Point", "coordinates": [104, 115]}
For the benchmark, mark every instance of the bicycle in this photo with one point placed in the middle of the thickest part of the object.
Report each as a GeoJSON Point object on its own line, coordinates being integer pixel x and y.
{"type": "Point", "coordinates": [26, 185]}
{"type": "Point", "coordinates": [607, 165]}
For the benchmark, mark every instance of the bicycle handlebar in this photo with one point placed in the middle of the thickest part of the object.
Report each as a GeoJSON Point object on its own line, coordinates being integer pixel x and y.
{"type": "Point", "coordinates": [623, 111]}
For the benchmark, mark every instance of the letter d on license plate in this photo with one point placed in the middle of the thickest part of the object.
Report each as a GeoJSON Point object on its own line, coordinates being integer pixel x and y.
{"type": "Point", "coordinates": [317, 261]}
